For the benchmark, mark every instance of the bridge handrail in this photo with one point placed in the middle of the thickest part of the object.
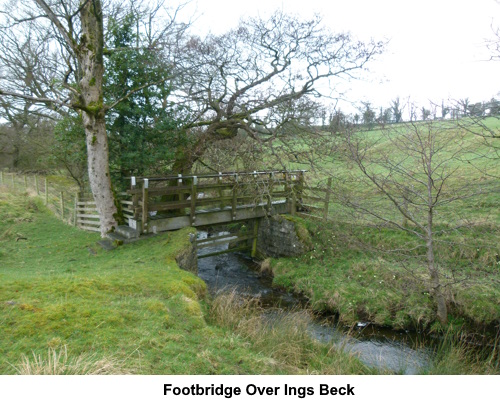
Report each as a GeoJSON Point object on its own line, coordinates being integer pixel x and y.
{"type": "Point", "coordinates": [214, 175]}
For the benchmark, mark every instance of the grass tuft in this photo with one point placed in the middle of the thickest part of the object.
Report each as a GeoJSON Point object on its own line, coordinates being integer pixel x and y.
{"type": "Point", "coordinates": [58, 362]}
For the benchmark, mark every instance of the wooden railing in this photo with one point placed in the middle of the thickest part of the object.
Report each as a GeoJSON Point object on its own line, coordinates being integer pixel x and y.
{"type": "Point", "coordinates": [193, 200]}
{"type": "Point", "coordinates": [152, 199]}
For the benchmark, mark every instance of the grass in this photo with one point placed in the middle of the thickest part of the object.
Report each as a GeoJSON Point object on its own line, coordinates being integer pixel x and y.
{"type": "Point", "coordinates": [283, 336]}
{"type": "Point", "coordinates": [67, 307]}
{"type": "Point", "coordinates": [350, 273]}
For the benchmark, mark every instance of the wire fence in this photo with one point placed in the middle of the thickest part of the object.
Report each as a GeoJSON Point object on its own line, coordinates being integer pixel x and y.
{"type": "Point", "coordinates": [69, 205]}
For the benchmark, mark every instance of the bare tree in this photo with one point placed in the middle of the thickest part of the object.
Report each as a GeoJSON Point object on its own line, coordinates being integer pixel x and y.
{"type": "Point", "coordinates": [397, 110]}
{"type": "Point", "coordinates": [53, 55]}
{"type": "Point", "coordinates": [415, 171]}
{"type": "Point", "coordinates": [261, 79]}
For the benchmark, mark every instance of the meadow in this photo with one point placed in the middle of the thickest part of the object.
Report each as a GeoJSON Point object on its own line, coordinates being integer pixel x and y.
{"type": "Point", "coordinates": [68, 307]}
{"type": "Point", "coordinates": [368, 264]}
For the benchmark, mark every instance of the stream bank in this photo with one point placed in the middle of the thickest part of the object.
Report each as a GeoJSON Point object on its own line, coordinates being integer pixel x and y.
{"type": "Point", "coordinates": [386, 350]}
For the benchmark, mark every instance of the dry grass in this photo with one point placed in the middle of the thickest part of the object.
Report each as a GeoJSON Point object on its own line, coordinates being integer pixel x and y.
{"type": "Point", "coordinates": [283, 336]}
{"type": "Point", "coordinates": [58, 362]}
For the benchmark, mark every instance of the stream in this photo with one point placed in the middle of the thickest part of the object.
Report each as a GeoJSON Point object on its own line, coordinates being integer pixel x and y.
{"type": "Point", "coordinates": [376, 347]}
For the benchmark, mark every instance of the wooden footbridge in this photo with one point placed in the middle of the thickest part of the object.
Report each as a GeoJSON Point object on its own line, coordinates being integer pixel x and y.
{"type": "Point", "coordinates": [158, 204]}
{"type": "Point", "coordinates": [167, 203]}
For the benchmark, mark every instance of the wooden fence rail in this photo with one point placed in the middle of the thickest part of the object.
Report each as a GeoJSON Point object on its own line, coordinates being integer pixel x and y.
{"type": "Point", "coordinates": [150, 203]}
{"type": "Point", "coordinates": [68, 205]}
{"type": "Point", "coordinates": [163, 203]}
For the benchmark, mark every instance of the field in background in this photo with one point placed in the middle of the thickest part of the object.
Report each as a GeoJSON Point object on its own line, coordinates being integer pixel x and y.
{"type": "Point", "coordinates": [365, 270]}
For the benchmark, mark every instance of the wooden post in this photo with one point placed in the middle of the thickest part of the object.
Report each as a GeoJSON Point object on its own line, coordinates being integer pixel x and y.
{"type": "Point", "coordinates": [255, 234]}
{"type": "Point", "coordinates": [179, 184]}
{"type": "Point", "coordinates": [1, 177]}
{"type": "Point", "coordinates": [194, 194]}
{"type": "Point", "coordinates": [270, 193]}
{"type": "Point", "coordinates": [234, 200]}
{"type": "Point", "coordinates": [221, 194]}
{"type": "Point", "coordinates": [46, 191]}
{"type": "Point", "coordinates": [62, 204]}
{"type": "Point", "coordinates": [135, 198]}
{"type": "Point", "coordinates": [37, 188]}
{"type": "Point", "coordinates": [327, 198]}
{"type": "Point", "coordinates": [145, 193]}
{"type": "Point", "coordinates": [25, 182]}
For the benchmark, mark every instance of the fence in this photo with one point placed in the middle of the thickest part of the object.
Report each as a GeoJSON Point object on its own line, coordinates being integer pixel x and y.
{"type": "Point", "coordinates": [226, 191]}
{"type": "Point", "coordinates": [69, 205]}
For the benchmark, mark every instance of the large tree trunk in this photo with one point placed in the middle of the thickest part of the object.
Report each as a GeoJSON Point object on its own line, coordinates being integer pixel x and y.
{"type": "Point", "coordinates": [92, 70]}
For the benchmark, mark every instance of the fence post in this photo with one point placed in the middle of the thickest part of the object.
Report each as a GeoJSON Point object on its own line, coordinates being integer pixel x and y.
{"type": "Point", "coordinates": [135, 198]}
{"type": "Point", "coordinates": [25, 183]}
{"type": "Point", "coordinates": [327, 198]}
{"type": "Point", "coordinates": [270, 193]}
{"type": "Point", "coordinates": [37, 188]}
{"type": "Point", "coordinates": [234, 201]}
{"type": "Point", "coordinates": [221, 194]}
{"type": "Point", "coordinates": [46, 191]}
{"type": "Point", "coordinates": [145, 193]}
{"type": "Point", "coordinates": [194, 194]}
{"type": "Point", "coordinates": [255, 234]}
{"type": "Point", "coordinates": [179, 184]}
{"type": "Point", "coordinates": [1, 177]}
{"type": "Point", "coordinates": [62, 205]}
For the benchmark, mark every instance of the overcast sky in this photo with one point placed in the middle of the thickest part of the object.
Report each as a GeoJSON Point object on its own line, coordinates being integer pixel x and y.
{"type": "Point", "coordinates": [436, 48]}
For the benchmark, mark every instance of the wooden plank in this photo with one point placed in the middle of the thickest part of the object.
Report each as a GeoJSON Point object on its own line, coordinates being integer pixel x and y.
{"type": "Point", "coordinates": [87, 216]}
{"type": "Point", "coordinates": [222, 252]}
{"type": "Point", "coordinates": [202, 243]}
{"type": "Point", "coordinates": [167, 206]}
{"type": "Point", "coordinates": [87, 209]}
{"type": "Point", "coordinates": [82, 221]}
{"type": "Point", "coordinates": [207, 201]}
{"type": "Point", "coordinates": [85, 203]}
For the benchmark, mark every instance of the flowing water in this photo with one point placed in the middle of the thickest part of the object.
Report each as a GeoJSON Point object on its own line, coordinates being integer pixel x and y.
{"type": "Point", "coordinates": [376, 347]}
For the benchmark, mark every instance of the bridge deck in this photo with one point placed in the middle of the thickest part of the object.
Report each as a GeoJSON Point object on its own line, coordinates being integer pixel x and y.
{"type": "Point", "coordinates": [214, 216]}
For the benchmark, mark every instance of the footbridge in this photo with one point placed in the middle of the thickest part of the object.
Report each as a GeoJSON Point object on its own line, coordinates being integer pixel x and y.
{"type": "Point", "coordinates": [157, 204]}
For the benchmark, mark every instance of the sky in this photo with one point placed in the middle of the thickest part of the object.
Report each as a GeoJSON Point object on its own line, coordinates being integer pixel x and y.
{"type": "Point", "coordinates": [436, 48]}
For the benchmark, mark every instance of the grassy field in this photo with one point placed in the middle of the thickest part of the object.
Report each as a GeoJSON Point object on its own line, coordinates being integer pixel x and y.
{"type": "Point", "coordinates": [67, 307]}
{"type": "Point", "coordinates": [366, 269]}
